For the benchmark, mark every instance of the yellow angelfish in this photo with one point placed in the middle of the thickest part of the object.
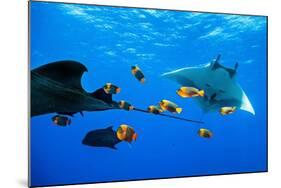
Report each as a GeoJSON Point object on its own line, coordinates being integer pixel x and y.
{"type": "Point", "coordinates": [205, 133]}
{"type": "Point", "coordinates": [126, 133]}
{"type": "Point", "coordinates": [154, 109]}
{"type": "Point", "coordinates": [227, 110]}
{"type": "Point", "coordinates": [136, 71]}
{"type": "Point", "coordinates": [125, 105]}
{"type": "Point", "coordinates": [109, 88]}
{"type": "Point", "coordinates": [170, 106]}
{"type": "Point", "coordinates": [186, 92]}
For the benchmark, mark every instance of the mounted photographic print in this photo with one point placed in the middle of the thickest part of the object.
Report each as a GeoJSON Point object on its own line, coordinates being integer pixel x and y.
{"type": "Point", "coordinates": [122, 93]}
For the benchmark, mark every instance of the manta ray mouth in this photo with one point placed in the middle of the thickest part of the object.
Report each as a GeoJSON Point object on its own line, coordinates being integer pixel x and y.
{"type": "Point", "coordinates": [211, 99]}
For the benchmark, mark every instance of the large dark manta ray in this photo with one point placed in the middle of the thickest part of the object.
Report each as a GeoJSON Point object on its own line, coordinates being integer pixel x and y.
{"type": "Point", "coordinates": [56, 88]}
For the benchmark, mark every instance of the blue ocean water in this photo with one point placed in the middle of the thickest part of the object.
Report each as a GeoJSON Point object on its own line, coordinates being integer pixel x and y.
{"type": "Point", "coordinates": [109, 41]}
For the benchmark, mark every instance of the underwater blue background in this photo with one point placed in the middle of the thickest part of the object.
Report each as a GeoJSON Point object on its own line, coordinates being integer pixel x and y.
{"type": "Point", "coordinates": [109, 41]}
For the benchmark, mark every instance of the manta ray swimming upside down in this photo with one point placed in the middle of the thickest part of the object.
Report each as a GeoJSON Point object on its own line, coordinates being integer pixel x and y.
{"type": "Point", "coordinates": [218, 83]}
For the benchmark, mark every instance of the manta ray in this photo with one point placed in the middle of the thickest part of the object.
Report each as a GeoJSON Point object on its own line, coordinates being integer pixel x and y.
{"type": "Point", "coordinates": [218, 82]}
{"type": "Point", "coordinates": [56, 88]}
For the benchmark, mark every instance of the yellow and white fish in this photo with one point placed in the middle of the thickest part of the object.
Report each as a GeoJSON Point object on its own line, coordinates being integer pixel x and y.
{"type": "Point", "coordinates": [154, 109]}
{"type": "Point", "coordinates": [170, 106]}
{"type": "Point", "coordinates": [126, 133]}
{"type": "Point", "coordinates": [109, 88]}
{"type": "Point", "coordinates": [136, 71]}
{"type": "Point", "coordinates": [227, 110]}
{"type": "Point", "coordinates": [187, 92]}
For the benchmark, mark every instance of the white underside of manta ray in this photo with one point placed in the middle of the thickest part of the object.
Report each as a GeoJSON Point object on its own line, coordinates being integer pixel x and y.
{"type": "Point", "coordinates": [219, 84]}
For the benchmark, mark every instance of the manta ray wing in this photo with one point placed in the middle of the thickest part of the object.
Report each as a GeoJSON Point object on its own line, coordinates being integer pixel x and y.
{"type": "Point", "coordinates": [189, 76]}
{"type": "Point", "coordinates": [56, 87]}
{"type": "Point", "coordinates": [246, 104]}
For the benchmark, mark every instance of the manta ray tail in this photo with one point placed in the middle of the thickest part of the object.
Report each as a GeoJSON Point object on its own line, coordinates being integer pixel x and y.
{"type": "Point", "coordinates": [170, 116]}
